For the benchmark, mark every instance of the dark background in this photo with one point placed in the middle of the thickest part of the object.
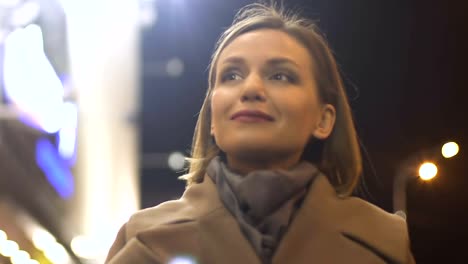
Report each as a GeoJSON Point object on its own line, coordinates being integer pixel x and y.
{"type": "Point", "coordinates": [404, 64]}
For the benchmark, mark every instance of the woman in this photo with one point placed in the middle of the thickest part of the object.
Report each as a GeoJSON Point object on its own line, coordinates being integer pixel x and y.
{"type": "Point", "coordinates": [274, 160]}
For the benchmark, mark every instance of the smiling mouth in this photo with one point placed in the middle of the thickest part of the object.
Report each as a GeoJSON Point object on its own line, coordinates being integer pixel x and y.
{"type": "Point", "coordinates": [250, 119]}
{"type": "Point", "coordinates": [252, 116]}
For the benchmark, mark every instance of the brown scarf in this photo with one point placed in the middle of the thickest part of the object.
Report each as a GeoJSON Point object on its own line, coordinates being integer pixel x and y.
{"type": "Point", "coordinates": [263, 201]}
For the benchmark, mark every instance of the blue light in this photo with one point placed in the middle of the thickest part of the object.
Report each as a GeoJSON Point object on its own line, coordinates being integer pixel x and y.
{"type": "Point", "coordinates": [56, 172]}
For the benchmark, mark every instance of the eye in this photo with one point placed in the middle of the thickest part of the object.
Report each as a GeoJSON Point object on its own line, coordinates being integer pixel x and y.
{"type": "Point", "coordinates": [282, 77]}
{"type": "Point", "coordinates": [230, 76]}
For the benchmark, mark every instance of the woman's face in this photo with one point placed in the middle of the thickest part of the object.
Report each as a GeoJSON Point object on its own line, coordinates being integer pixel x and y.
{"type": "Point", "coordinates": [265, 104]}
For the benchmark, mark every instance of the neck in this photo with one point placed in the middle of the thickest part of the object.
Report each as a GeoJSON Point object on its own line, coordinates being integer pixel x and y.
{"type": "Point", "coordinates": [243, 166]}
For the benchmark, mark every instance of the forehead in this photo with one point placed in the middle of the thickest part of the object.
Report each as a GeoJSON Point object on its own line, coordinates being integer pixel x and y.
{"type": "Point", "coordinates": [264, 44]}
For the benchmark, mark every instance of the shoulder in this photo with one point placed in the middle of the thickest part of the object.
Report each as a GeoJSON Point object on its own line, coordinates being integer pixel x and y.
{"type": "Point", "coordinates": [197, 200]}
{"type": "Point", "coordinates": [354, 213]}
{"type": "Point", "coordinates": [375, 228]}
{"type": "Point", "coordinates": [360, 221]}
{"type": "Point", "coordinates": [361, 210]}
{"type": "Point", "coordinates": [363, 213]}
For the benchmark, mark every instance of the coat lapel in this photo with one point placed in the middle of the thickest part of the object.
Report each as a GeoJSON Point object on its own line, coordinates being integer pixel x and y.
{"type": "Point", "coordinates": [329, 229]}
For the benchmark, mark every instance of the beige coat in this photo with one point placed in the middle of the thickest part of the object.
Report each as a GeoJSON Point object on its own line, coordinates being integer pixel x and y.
{"type": "Point", "coordinates": [327, 229]}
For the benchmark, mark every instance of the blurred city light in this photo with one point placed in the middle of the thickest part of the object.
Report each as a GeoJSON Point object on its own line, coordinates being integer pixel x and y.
{"type": "Point", "coordinates": [3, 236]}
{"type": "Point", "coordinates": [67, 133]}
{"type": "Point", "coordinates": [427, 171]}
{"type": "Point", "coordinates": [48, 244]}
{"type": "Point", "coordinates": [25, 14]}
{"type": "Point", "coordinates": [84, 247]}
{"type": "Point", "coordinates": [56, 253]}
{"type": "Point", "coordinates": [20, 257]}
{"type": "Point", "coordinates": [9, 3]}
{"type": "Point", "coordinates": [43, 239]}
{"type": "Point", "coordinates": [182, 260]}
{"type": "Point", "coordinates": [92, 247]}
{"type": "Point", "coordinates": [176, 161]}
{"type": "Point", "coordinates": [450, 149]}
{"type": "Point", "coordinates": [148, 14]}
{"type": "Point", "coordinates": [8, 248]}
{"type": "Point", "coordinates": [56, 172]}
{"type": "Point", "coordinates": [175, 67]}
{"type": "Point", "coordinates": [30, 80]}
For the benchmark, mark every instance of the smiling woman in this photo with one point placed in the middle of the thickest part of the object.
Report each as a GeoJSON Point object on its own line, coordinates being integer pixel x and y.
{"type": "Point", "coordinates": [265, 103]}
{"type": "Point", "coordinates": [274, 161]}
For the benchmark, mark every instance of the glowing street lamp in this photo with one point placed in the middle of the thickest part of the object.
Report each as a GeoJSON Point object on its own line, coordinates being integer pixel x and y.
{"type": "Point", "coordinates": [427, 171]}
{"type": "Point", "coordinates": [408, 170]}
{"type": "Point", "coordinates": [450, 149]}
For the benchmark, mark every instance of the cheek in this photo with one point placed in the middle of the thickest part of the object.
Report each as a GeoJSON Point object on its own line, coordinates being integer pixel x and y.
{"type": "Point", "coordinates": [301, 114]}
{"type": "Point", "coordinates": [219, 105]}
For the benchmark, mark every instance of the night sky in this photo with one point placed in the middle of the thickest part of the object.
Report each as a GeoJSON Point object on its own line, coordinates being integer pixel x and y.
{"type": "Point", "coordinates": [404, 64]}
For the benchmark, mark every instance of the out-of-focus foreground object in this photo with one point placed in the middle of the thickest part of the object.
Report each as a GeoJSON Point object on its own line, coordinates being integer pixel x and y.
{"type": "Point", "coordinates": [68, 141]}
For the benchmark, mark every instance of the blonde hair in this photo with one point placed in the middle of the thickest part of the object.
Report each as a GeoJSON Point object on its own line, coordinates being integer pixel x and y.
{"type": "Point", "coordinates": [339, 156]}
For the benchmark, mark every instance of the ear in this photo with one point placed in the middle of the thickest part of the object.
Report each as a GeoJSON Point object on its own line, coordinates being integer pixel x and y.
{"type": "Point", "coordinates": [326, 122]}
{"type": "Point", "coordinates": [212, 130]}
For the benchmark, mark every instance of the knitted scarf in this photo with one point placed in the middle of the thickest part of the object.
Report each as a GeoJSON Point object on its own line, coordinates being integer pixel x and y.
{"type": "Point", "coordinates": [263, 202]}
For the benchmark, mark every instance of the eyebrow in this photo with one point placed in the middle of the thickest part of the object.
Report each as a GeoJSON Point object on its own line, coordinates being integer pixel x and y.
{"type": "Point", "coordinates": [271, 62]}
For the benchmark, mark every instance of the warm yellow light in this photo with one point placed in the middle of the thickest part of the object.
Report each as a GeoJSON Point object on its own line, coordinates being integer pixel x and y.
{"type": "Point", "coordinates": [427, 171]}
{"type": "Point", "coordinates": [450, 149]}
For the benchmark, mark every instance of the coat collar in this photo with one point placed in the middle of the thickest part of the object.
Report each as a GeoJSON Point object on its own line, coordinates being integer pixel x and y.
{"type": "Point", "coordinates": [326, 228]}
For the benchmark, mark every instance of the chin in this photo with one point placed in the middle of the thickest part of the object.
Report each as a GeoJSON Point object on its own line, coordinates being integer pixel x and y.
{"type": "Point", "coordinates": [254, 149]}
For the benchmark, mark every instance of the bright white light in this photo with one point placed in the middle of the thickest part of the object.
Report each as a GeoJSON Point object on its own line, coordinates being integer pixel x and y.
{"type": "Point", "coordinates": [57, 253]}
{"type": "Point", "coordinates": [148, 15]}
{"type": "Point", "coordinates": [175, 67]}
{"type": "Point", "coordinates": [43, 240]}
{"type": "Point", "coordinates": [20, 257]}
{"type": "Point", "coordinates": [30, 80]}
{"type": "Point", "coordinates": [3, 34]}
{"type": "Point", "coordinates": [3, 236]}
{"type": "Point", "coordinates": [92, 247]}
{"type": "Point", "coordinates": [33, 261]}
{"type": "Point", "coordinates": [25, 14]}
{"type": "Point", "coordinates": [75, 8]}
{"type": "Point", "coordinates": [182, 260]}
{"type": "Point", "coordinates": [9, 3]}
{"type": "Point", "coordinates": [8, 248]}
{"type": "Point", "coordinates": [67, 134]}
{"type": "Point", "coordinates": [47, 243]}
{"type": "Point", "coordinates": [427, 171]}
{"type": "Point", "coordinates": [176, 161]}
{"type": "Point", "coordinates": [84, 247]}
{"type": "Point", "coordinates": [450, 149]}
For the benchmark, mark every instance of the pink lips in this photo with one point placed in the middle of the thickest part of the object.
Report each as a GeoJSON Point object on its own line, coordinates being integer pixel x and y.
{"type": "Point", "coordinates": [251, 116]}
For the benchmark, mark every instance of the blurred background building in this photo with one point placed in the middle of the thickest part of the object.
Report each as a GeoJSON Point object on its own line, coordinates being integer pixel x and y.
{"type": "Point", "coordinates": [99, 99]}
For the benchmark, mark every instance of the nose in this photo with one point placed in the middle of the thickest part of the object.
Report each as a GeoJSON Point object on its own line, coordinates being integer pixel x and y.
{"type": "Point", "coordinates": [254, 89]}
